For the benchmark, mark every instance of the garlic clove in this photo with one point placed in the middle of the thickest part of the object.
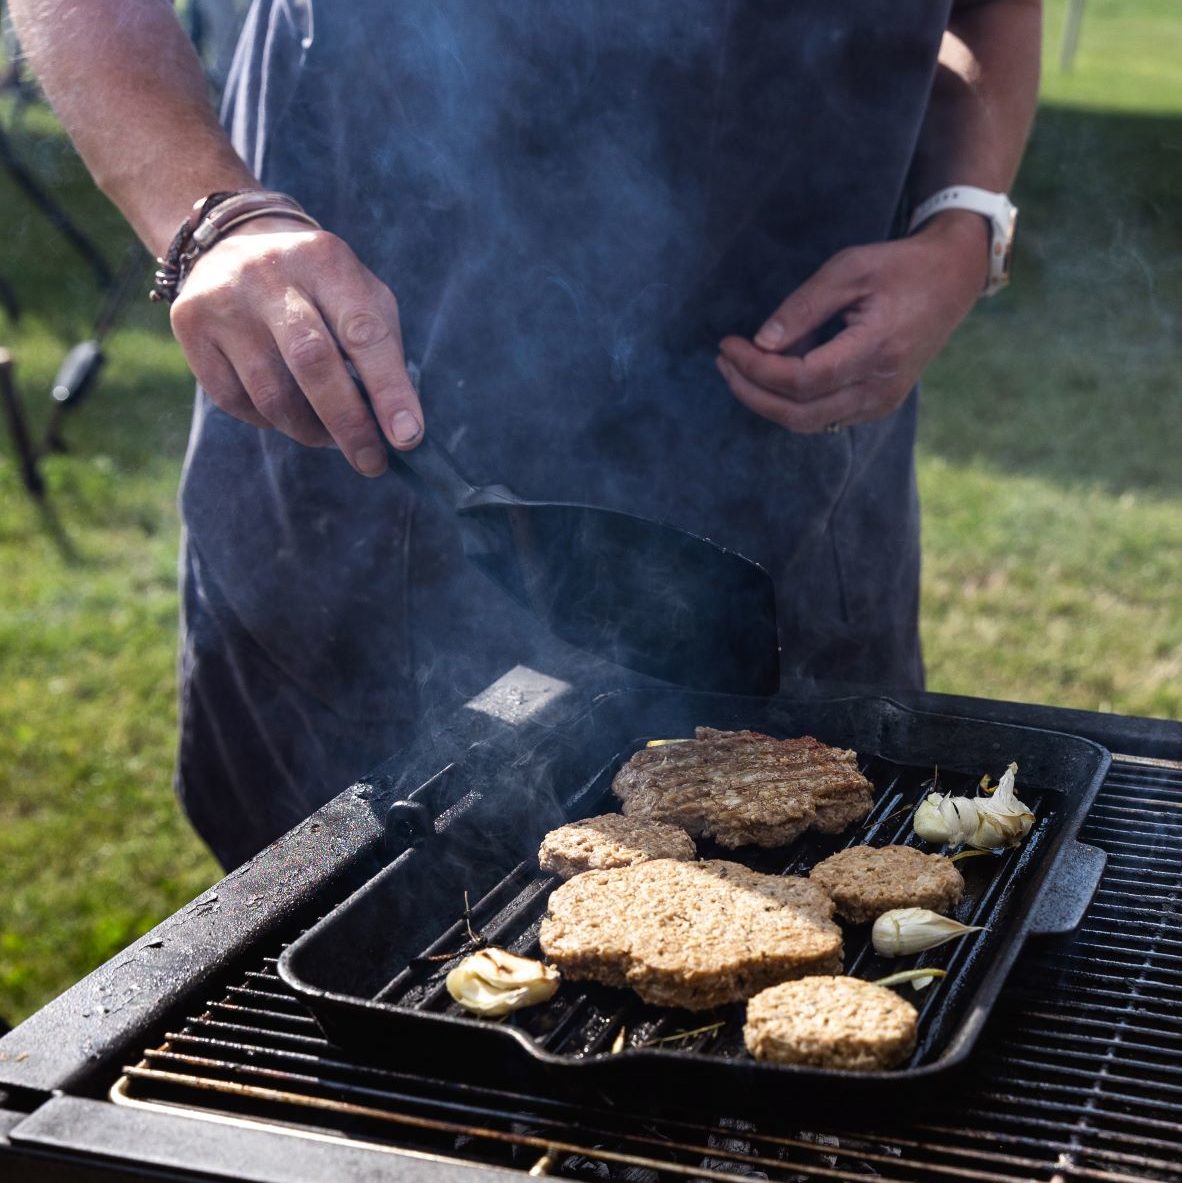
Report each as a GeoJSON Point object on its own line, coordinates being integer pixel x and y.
{"type": "Point", "coordinates": [996, 831]}
{"type": "Point", "coordinates": [929, 822]}
{"type": "Point", "coordinates": [946, 819]}
{"type": "Point", "coordinates": [903, 931]}
{"type": "Point", "coordinates": [1005, 820]}
{"type": "Point", "coordinates": [493, 982]}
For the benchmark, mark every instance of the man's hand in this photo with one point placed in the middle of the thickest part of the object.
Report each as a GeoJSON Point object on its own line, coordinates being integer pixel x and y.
{"type": "Point", "coordinates": [267, 318]}
{"type": "Point", "coordinates": [269, 314]}
{"type": "Point", "coordinates": [899, 302]}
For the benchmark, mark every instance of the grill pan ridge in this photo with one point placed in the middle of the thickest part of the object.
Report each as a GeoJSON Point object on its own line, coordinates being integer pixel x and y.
{"type": "Point", "coordinates": [372, 970]}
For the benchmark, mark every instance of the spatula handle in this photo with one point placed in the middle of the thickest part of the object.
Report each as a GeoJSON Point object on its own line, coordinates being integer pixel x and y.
{"type": "Point", "coordinates": [429, 468]}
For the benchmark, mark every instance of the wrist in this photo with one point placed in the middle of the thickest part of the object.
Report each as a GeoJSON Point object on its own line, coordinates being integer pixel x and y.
{"type": "Point", "coordinates": [156, 209]}
{"type": "Point", "coordinates": [965, 236]}
{"type": "Point", "coordinates": [210, 220]}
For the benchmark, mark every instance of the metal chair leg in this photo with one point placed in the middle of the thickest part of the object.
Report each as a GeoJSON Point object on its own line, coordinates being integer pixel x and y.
{"type": "Point", "coordinates": [15, 414]}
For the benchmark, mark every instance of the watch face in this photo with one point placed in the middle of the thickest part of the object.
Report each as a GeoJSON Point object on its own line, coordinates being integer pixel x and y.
{"type": "Point", "coordinates": [1008, 256]}
{"type": "Point", "coordinates": [1002, 248]}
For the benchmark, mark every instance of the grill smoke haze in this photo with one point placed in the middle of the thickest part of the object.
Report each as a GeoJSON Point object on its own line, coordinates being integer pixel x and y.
{"type": "Point", "coordinates": [573, 203]}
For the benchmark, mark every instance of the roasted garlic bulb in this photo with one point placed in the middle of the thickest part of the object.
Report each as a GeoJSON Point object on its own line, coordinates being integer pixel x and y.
{"type": "Point", "coordinates": [494, 982]}
{"type": "Point", "coordinates": [982, 822]}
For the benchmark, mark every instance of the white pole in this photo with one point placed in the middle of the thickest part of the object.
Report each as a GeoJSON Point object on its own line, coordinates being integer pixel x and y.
{"type": "Point", "coordinates": [1070, 42]}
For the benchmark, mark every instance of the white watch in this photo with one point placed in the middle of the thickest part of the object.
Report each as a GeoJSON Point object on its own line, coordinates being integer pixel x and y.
{"type": "Point", "coordinates": [996, 208]}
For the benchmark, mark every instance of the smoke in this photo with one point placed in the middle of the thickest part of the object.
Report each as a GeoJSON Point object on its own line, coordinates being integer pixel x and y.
{"type": "Point", "coordinates": [573, 202]}
{"type": "Point", "coordinates": [570, 200]}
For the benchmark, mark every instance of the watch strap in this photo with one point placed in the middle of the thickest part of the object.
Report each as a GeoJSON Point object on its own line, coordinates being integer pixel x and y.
{"type": "Point", "coordinates": [994, 207]}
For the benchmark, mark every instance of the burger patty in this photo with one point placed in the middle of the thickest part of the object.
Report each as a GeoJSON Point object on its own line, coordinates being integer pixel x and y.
{"type": "Point", "coordinates": [692, 935]}
{"type": "Point", "coordinates": [831, 1022]}
{"type": "Point", "coordinates": [866, 881]}
{"type": "Point", "coordinates": [612, 840]}
{"type": "Point", "coordinates": [743, 788]}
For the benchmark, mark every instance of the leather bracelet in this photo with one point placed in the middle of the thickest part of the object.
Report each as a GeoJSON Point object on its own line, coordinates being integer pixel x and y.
{"type": "Point", "coordinates": [211, 219]}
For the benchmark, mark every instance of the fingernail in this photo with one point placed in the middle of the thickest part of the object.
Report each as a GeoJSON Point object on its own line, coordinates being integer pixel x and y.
{"type": "Point", "coordinates": [371, 461]}
{"type": "Point", "coordinates": [770, 335]}
{"type": "Point", "coordinates": [406, 428]}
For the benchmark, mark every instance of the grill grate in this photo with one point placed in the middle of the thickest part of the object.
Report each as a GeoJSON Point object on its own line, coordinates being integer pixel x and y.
{"type": "Point", "coordinates": [1078, 1076]}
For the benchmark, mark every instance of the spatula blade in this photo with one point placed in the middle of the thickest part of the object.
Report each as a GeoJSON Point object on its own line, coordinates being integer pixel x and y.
{"type": "Point", "coordinates": [643, 595]}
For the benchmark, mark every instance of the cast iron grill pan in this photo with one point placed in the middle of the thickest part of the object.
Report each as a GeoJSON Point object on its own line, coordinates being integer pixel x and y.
{"type": "Point", "coordinates": [373, 969]}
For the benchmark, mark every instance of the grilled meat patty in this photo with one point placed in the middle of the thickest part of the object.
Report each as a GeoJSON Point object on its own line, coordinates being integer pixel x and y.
{"type": "Point", "coordinates": [743, 788]}
{"type": "Point", "coordinates": [612, 840]}
{"type": "Point", "coordinates": [693, 935]}
{"type": "Point", "coordinates": [866, 881]}
{"type": "Point", "coordinates": [833, 1022]}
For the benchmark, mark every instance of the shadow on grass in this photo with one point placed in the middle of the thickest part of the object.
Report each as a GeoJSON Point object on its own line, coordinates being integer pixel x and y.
{"type": "Point", "coordinates": [1075, 373]}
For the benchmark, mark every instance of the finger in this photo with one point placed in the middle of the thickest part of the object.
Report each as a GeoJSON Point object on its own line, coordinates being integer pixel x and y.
{"type": "Point", "coordinates": [849, 358]}
{"type": "Point", "coordinates": [824, 294]}
{"type": "Point", "coordinates": [273, 391]}
{"type": "Point", "coordinates": [198, 336]}
{"type": "Point", "coordinates": [218, 379]}
{"type": "Point", "coordinates": [783, 376]}
{"type": "Point", "coordinates": [367, 329]}
{"type": "Point", "coordinates": [310, 351]}
{"type": "Point", "coordinates": [843, 407]}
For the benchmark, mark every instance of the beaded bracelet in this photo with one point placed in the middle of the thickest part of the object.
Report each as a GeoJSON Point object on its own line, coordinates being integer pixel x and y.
{"type": "Point", "coordinates": [211, 219]}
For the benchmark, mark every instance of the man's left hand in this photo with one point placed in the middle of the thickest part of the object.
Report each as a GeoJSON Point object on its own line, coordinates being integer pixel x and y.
{"type": "Point", "coordinates": [899, 302]}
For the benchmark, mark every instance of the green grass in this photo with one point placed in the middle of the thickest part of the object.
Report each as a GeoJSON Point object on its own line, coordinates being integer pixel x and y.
{"type": "Point", "coordinates": [1036, 593]}
{"type": "Point", "coordinates": [1051, 435]}
{"type": "Point", "coordinates": [93, 849]}
{"type": "Point", "coordinates": [1126, 59]}
{"type": "Point", "coordinates": [1049, 467]}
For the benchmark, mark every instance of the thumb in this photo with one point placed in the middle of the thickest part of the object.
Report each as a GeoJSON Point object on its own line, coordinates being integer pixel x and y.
{"type": "Point", "coordinates": [820, 297]}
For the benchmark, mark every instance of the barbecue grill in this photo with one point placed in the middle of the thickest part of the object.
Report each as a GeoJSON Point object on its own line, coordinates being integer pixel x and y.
{"type": "Point", "coordinates": [188, 1055]}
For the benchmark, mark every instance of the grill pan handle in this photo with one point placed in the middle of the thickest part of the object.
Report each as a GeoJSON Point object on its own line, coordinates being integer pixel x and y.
{"type": "Point", "coordinates": [1063, 901]}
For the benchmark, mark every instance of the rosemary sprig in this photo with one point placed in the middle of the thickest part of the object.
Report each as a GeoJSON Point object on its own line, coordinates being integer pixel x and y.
{"type": "Point", "coordinates": [682, 1034]}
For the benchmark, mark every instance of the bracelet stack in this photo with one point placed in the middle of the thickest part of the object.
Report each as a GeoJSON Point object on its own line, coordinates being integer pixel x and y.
{"type": "Point", "coordinates": [213, 217]}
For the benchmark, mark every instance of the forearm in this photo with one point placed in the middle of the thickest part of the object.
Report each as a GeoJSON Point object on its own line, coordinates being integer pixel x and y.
{"type": "Point", "coordinates": [270, 314]}
{"type": "Point", "coordinates": [900, 300]}
{"type": "Point", "coordinates": [978, 119]}
{"type": "Point", "coordinates": [128, 88]}
{"type": "Point", "coordinates": [983, 98]}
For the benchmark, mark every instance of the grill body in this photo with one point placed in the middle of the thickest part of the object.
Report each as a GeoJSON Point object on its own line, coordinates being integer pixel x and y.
{"type": "Point", "coordinates": [189, 1057]}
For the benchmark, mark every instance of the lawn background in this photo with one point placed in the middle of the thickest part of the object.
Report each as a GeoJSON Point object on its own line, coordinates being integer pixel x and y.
{"type": "Point", "coordinates": [1049, 467]}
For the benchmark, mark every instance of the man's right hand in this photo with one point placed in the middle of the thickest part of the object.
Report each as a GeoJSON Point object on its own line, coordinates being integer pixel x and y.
{"type": "Point", "coordinates": [267, 318]}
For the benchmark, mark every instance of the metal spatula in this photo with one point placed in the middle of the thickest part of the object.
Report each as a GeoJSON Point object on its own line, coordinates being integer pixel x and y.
{"type": "Point", "coordinates": [643, 595]}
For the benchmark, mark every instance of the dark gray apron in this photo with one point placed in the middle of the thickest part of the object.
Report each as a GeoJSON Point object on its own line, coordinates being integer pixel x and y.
{"type": "Point", "coordinates": [573, 202]}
